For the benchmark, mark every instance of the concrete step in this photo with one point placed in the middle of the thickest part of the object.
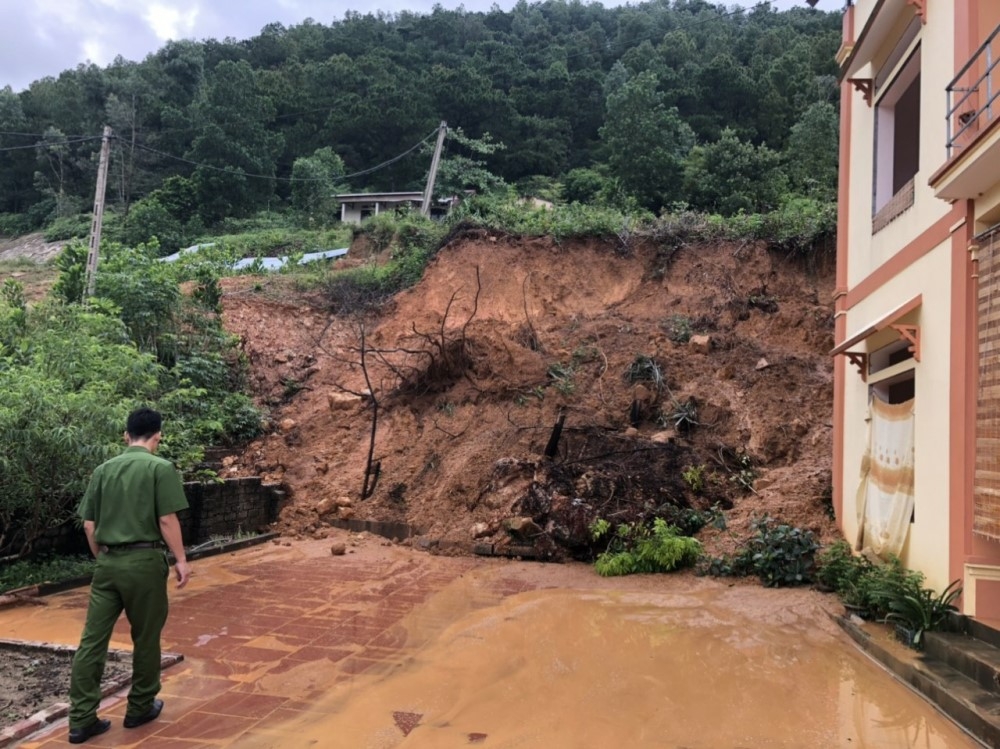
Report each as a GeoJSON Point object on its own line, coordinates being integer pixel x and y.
{"type": "Point", "coordinates": [970, 656]}
{"type": "Point", "coordinates": [961, 698]}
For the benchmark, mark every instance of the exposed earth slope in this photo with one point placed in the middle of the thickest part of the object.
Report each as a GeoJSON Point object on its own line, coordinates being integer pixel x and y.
{"type": "Point", "coordinates": [470, 378]}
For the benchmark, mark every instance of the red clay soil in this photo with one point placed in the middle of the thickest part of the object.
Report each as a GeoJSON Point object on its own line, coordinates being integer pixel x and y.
{"type": "Point", "coordinates": [470, 379]}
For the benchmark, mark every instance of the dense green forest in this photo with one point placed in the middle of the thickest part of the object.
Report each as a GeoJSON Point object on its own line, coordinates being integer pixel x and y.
{"type": "Point", "coordinates": [652, 106]}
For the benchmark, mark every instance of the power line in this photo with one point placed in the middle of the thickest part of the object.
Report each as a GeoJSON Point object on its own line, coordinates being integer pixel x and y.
{"type": "Point", "coordinates": [67, 142]}
{"type": "Point", "coordinates": [231, 170]}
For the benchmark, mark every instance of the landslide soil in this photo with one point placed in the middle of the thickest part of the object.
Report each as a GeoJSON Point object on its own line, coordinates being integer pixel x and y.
{"type": "Point", "coordinates": [472, 368]}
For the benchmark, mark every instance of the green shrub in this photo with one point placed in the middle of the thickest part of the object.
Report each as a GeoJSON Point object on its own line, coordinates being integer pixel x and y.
{"type": "Point", "coordinates": [777, 553]}
{"type": "Point", "coordinates": [15, 224]}
{"type": "Point", "coordinates": [72, 266]}
{"type": "Point", "coordinates": [505, 214]}
{"type": "Point", "coordinates": [46, 569]}
{"type": "Point", "coordinates": [68, 227]}
{"type": "Point", "coordinates": [878, 584]}
{"type": "Point", "coordinates": [838, 568]}
{"type": "Point", "coordinates": [641, 548]}
{"type": "Point", "coordinates": [689, 520]}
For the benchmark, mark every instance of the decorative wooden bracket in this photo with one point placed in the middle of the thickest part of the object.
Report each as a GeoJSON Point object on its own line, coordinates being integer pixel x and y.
{"type": "Point", "coordinates": [910, 333]}
{"type": "Point", "coordinates": [866, 86]}
{"type": "Point", "coordinates": [920, 8]}
{"type": "Point", "coordinates": [860, 360]}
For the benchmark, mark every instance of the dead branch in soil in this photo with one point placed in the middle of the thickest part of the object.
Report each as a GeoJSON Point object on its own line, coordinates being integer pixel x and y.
{"type": "Point", "coordinates": [439, 359]}
{"type": "Point", "coordinates": [445, 431]}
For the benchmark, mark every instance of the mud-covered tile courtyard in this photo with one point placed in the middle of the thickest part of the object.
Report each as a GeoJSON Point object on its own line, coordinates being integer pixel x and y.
{"type": "Point", "coordinates": [289, 646]}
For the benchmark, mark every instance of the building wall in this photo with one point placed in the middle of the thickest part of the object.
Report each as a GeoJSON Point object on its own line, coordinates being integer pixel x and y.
{"type": "Point", "coordinates": [351, 214]}
{"type": "Point", "coordinates": [926, 548]}
{"type": "Point", "coordinates": [868, 251]}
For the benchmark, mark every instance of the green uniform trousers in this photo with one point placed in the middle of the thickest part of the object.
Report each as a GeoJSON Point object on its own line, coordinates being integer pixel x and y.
{"type": "Point", "coordinates": [133, 580]}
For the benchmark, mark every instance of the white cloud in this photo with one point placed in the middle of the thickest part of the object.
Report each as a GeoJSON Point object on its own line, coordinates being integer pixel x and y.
{"type": "Point", "coordinates": [169, 22]}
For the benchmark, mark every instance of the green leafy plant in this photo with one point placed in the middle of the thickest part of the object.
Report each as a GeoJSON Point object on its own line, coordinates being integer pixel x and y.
{"type": "Point", "coordinates": [44, 569]}
{"type": "Point", "coordinates": [690, 520]}
{"type": "Point", "coordinates": [745, 474]}
{"type": "Point", "coordinates": [879, 583]}
{"type": "Point", "coordinates": [777, 553]}
{"type": "Point", "coordinates": [921, 611]}
{"type": "Point", "coordinates": [641, 548]}
{"type": "Point", "coordinates": [694, 477]}
{"type": "Point", "coordinates": [838, 568]}
{"type": "Point", "coordinates": [563, 377]}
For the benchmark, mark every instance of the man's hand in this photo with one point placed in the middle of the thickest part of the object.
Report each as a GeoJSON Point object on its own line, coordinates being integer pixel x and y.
{"type": "Point", "coordinates": [182, 572]}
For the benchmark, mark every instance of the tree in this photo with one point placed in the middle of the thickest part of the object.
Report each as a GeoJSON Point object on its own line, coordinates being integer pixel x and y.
{"type": "Point", "coordinates": [318, 181]}
{"type": "Point", "coordinates": [16, 167]}
{"type": "Point", "coordinates": [458, 173]}
{"type": "Point", "coordinates": [236, 148]}
{"type": "Point", "coordinates": [646, 142]}
{"type": "Point", "coordinates": [730, 175]}
{"type": "Point", "coordinates": [813, 151]}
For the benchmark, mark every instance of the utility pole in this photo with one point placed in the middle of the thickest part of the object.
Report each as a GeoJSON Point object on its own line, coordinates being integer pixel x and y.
{"type": "Point", "coordinates": [98, 218]}
{"type": "Point", "coordinates": [425, 207]}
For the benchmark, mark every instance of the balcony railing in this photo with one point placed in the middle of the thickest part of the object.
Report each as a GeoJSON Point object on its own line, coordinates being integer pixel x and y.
{"type": "Point", "coordinates": [972, 95]}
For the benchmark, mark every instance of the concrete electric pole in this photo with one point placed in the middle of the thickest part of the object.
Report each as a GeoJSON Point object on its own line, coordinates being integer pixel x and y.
{"type": "Point", "coordinates": [425, 207]}
{"type": "Point", "coordinates": [98, 218]}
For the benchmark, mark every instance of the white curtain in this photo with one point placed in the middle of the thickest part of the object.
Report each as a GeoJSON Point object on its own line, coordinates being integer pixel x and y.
{"type": "Point", "coordinates": [885, 496]}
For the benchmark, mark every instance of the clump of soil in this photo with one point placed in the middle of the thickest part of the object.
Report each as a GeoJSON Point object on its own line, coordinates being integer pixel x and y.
{"type": "Point", "coordinates": [692, 379]}
{"type": "Point", "coordinates": [35, 678]}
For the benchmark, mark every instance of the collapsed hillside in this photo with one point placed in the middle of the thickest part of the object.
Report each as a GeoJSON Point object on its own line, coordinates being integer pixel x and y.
{"type": "Point", "coordinates": [691, 379]}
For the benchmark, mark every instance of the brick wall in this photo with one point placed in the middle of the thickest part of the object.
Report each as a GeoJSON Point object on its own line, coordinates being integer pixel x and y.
{"type": "Point", "coordinates": [899, 204]}
{"type": "Point", "coordinates": [215, 509]}
{"type": "Point", "coordinates": [228, 507]}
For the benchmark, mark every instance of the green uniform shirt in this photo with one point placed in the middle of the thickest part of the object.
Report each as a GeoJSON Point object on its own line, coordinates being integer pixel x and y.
{"type": "Point", "coordinates": [127, 496]}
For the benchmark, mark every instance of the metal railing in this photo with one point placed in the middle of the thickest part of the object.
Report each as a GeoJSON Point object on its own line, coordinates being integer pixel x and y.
{"type": "Point", "coordinates": [968, 112]}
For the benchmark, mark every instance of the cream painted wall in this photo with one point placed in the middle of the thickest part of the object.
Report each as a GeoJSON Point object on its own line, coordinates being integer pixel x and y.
{"type": "Point", "coordinates": [927, 545]}
{"type": "Point", "coordinates": [862, 11]}
{"type": "Point", "coordinates": [866, 252]}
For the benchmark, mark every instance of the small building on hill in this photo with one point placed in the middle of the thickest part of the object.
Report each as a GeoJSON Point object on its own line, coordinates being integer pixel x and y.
{"type": "Point", "coordinates": [356, 207]}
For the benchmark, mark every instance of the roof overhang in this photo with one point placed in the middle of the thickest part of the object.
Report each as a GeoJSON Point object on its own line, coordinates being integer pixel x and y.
{"type": "Point", "coordinates": [380, 197]}
{"type": "Point", "coordinates": [878, 28]}
{"type": "Point", "coordinates": [910, 333]}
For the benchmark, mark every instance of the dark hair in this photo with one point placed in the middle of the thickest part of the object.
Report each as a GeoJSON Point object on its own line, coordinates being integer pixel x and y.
{"type": "Point", "coordinates": [143, 423]}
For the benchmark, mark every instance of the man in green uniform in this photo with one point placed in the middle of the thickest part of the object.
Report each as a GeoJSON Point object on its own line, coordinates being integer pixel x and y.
{"type": "Point", "coordinates": [129, 514]}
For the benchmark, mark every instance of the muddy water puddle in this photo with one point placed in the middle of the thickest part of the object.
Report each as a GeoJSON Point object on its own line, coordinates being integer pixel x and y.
{"type": "Point", "coordinates": [708, 668]}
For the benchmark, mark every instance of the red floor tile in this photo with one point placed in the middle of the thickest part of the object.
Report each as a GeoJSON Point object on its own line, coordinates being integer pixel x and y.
{"type": "Point", "coordinates": [200, 726]}
{"type": "Point", "coordinates": [243, 704]}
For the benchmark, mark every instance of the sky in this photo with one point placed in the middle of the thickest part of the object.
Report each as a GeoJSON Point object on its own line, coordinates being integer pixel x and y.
{"type": "Point", "coordinates": [40, 38]}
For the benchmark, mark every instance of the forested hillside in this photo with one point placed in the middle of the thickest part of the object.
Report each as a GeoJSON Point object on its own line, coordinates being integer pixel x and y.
{"type": "Point", "coordinates": [646, 106]}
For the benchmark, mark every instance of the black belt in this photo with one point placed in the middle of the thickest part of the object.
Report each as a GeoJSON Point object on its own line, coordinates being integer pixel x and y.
{"type": "Point", "coordinates": [128, 547]}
